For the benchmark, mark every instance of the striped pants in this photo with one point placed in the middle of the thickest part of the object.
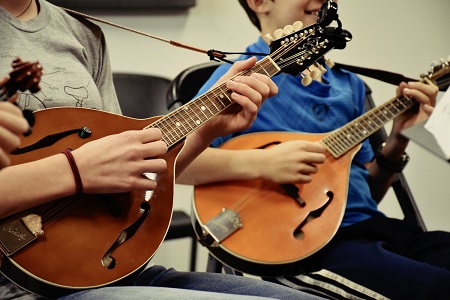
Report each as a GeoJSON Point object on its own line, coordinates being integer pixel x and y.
{"type": "Point", "coordinates": [380, 258]}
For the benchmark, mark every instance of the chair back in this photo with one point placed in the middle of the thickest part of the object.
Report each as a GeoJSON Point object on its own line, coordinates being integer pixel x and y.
{"type": "Point", "coordinates": [141, 95]}
{"type": "Point", "coordinates": [186, 84]}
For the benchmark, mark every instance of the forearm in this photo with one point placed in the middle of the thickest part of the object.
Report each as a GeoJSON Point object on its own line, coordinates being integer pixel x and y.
{"type": "Point", "coordinates": [380, 177]}
{"type": "Point", "coordinates": [214, 165]}
{"type": "Point", "coordinates": [27, 185]}
{"type": "Point", "coordinates": [380, 181]}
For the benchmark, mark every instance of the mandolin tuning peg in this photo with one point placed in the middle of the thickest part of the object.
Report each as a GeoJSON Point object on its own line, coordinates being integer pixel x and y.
{"type": "Point", "coordinates": [320, 67]}
{"type": "Point", "coordinates": [444, 62]}
{"type": "Point", "coordinates": [269, 37]}
{"type": "Point", "coordinates": [314, 73]}
{"type": "Point", "coordinates": [297, 25]}
{"type": "Point", "coordinates": [306, 79]}
{"type": "Point", "coordinates": [278, 33]}
{"type": "Point", "coordinates": [329, 62]}
{"type": "Point", "coordinates": [288, 29]}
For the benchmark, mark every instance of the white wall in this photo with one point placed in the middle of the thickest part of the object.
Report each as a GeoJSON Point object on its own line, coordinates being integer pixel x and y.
{"type": "Point", "coordinates": [403, 36]}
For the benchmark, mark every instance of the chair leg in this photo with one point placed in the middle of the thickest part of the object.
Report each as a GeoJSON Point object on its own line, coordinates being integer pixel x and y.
{"type": "Point", "coordinates": [193, 254]}
{"type": "Point", "coordinates": [213, 266]}
{"type": "Point", "coordinates": [231, 271]}
{"type": "Point", "coordinates": [216, 266]}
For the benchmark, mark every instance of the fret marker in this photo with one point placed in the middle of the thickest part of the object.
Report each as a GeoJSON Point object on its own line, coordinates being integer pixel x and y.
{"type": "Point", "coordinates": [203, 108]}
{"type": "Point", "coordinates": [221, 96]}
{"type": "Point", "coordinates": [197, 122]}
{"type": "Point", "coordinates": [365, 132]}
{"type": "Point", "coordinates": [178, 124]}
{"type": "Point", "coordinates": [186, 108]}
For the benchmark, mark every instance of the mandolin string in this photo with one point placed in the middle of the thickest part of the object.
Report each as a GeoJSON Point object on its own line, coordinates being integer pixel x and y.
{"type": "Point", "coordinates": [47, 211]}
{"type": "Point", "coordinates": [239, 205]}
{"type": "Point", "coordinates": [64, 207]}
{"type": "Point", "coordinates": [53, 210]}
{"type": "Point", "coordinates": [253, 196]}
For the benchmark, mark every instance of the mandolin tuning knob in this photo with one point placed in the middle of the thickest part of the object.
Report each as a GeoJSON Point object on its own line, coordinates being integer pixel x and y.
{"type": "Point", "coordinates": [306, 79]}
{"type": "Point", "coordinates": [278, 33]}
{"type": "Point", "coordinates": [329, 63]}
{"type": "Point", "coordinates": [297, 25]}
{"type": "Point", "coordinates": [315, 74]}
{"type": "Point", "coordinates": [320, 67]}
{"type": "Point", "coordinates": [288, 29]}
{"type": "Point", "coordinates": [269, 37]}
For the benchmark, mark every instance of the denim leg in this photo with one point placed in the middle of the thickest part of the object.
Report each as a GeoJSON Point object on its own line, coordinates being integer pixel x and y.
{"type": "Point", "coordinates": [146, 292]}
{"type": "Point", "coordinates": [219, 283]}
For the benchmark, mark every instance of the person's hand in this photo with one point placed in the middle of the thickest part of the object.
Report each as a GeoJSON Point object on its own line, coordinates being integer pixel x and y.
{"type": "Point", "coordinates": [115, 163]}
{"type": "Point", "coordinates": [425, 94]}
{"type": "Point", "coordinates": [249, 92]}
{"type": "Point", "coordinates": [12, 124]}
{"type": "Point", "coordinates": [292, 161]}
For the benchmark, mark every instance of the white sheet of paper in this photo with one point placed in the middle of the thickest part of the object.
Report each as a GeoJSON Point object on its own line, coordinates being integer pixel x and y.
{"type": "Point", "coordinates": [439, 123]}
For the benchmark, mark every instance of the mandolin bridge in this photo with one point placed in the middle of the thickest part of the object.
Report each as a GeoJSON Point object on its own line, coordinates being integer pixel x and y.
{"type": "Point", "coordinates": [15, 235]}
{"type": "Point", "coordinates": [220, 227]}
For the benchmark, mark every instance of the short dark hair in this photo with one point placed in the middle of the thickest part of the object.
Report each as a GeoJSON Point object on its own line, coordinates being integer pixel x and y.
{"type": "Point", "coordinates": [251, 14]}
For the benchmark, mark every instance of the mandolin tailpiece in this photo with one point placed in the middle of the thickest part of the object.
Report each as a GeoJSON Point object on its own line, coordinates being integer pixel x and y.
{"type": "Point", "coordinates": [15, 235]}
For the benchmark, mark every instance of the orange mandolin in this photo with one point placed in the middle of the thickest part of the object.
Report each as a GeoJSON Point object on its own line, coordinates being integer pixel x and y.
{"type": "Point", "coordinates": [267, 229]}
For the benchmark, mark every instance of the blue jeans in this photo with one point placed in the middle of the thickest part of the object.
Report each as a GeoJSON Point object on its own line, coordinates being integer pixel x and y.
{"type": "Point", "coordinates": [160, 283]}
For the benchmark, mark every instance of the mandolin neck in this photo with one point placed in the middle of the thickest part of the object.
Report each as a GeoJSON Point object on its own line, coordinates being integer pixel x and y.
{"type": "Point", "coordinates": [178, 124]}
{"type": "Point", "coordinates": [347, 137]}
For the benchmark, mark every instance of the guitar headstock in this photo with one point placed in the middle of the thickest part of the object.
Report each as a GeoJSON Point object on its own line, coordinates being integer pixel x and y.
{"type": "Point", "coordinates": [295, 48]}
{"type": "Point", "coordinates": [439, 74]}
{"type": "Point", "coordinates": [24, 76]}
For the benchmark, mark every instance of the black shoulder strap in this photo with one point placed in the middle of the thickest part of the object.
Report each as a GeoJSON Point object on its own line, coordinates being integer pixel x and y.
{"type": "Point", "coordinates": [389, 77]}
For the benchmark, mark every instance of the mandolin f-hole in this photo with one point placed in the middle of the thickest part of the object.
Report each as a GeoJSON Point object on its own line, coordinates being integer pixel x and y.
{"type": "Point", "coordinates": [298, 232]}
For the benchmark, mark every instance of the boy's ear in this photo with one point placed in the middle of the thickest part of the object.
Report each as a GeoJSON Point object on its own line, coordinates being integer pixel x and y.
{"type": "Point", "coordinates": [259, 6]}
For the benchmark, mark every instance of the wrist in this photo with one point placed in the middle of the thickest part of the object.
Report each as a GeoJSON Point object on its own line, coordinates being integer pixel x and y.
{"type": "Point", "coordinates": [393, 163]}
{"type": "Point", "coordinates": [75, 171]}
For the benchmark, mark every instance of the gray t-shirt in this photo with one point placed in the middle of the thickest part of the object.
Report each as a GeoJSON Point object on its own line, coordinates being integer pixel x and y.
{"type": "Point", "coordinates": [77, 72]}
{"type": "Point", "coordinates": [72, 52]}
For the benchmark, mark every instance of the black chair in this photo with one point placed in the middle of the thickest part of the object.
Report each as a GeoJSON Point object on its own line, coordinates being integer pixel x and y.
{"type": "Point", "coordinates": [186, 85]}
{"type": "Point", "coordinates": [143, 96]}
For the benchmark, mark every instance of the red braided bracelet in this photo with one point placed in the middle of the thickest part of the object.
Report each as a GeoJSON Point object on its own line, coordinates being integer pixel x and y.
{"type": "Point", "coordinates": [76, 173]}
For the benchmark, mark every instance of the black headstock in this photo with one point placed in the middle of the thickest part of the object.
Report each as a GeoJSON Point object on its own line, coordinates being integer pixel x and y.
{"type": "Point", "coordinates": [439, 74]}
{"type": "Point", "coordinates": [294, 48]}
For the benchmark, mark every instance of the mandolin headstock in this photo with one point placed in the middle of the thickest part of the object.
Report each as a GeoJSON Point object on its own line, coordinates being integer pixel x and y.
{"type": "Point", "coordinates": [439, 74]}
{"type": "Point", "coordinates": [24, 76]}
{"type": "Point", "coordinates": [294, 48]}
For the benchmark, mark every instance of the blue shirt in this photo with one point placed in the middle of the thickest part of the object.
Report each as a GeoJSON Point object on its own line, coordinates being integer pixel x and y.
{"type": "Point", "coordinates": [320, 107]}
